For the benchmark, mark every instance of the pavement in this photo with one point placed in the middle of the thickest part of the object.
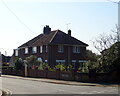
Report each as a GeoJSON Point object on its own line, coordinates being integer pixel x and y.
{"type": "Point", "coordinates": [62, 81]}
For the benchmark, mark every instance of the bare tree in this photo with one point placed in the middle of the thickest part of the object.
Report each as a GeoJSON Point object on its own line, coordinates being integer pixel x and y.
{"type": "Point", "coordinates": [104, 41]}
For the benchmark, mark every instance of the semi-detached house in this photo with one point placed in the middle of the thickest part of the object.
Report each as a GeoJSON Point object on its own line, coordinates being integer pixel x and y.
{"type": "Point", "coordinates": [54, 47]}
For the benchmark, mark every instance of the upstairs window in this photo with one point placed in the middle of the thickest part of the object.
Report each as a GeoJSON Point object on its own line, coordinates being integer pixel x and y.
{"type": "Point", "coordinates": [46, 48]}
{"type": "Point", "coordinates": [41, 49]}
{"type": "Point", "coordinates": [26, 50]}
{"type": "Point", "coordinates": [76, 49]}
{"type": "Point", "coordinates": [60, 49]}
{"type": "Point", "coordinates": [16, 52]}
{"type": "Point", "coordinates": [34, 50]}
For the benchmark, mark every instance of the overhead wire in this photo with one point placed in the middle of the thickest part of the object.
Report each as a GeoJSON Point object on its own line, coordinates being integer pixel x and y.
{"type": "Point", "coordinates": [17, 17]}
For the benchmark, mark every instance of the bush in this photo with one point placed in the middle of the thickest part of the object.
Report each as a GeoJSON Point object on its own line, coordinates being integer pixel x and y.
{"type": "Point", "coordinates": [89, 65]}
{"type": "Point", "coordinates": [70, 67]}
{"type": "Point", "coordinates": [44, 66]}
{"type": "Point", "coordinates": [60, 67]}
{"type": "Point", "coordinates": [18, 64]}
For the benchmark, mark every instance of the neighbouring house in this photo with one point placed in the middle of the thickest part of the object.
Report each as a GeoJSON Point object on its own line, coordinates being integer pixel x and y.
{"type": "Point", "coordinates": [5, 60]}
{"type": "Point", "coordinates": [54, 47]}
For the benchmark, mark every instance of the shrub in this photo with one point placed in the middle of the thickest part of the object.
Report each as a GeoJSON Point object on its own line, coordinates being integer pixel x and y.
{"type": "Point", "coordinates": [44, 66]}
{"type": "Point", "coordinates": [60, 67]}
{"type": "Point", "coordinates": [18, 64]}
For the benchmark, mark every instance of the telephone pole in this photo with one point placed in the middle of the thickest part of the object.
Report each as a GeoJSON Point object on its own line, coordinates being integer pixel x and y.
{"type": "Point", "coordinates": [118, 27]}
{"type": "Point", "coordinates": [119, 21]}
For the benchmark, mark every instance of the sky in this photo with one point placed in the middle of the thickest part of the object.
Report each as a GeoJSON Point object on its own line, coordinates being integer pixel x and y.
{"type": "Point", "coordinates": [22, 20]}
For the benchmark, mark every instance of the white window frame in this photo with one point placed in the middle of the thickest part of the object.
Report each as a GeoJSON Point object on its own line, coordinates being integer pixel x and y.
{"type": "Point", "coordinates": [60, 48]}
{"type": "Point", "coordinates": [26, 50]}
{"type": "Point", "coordinates": [16, 52]}
{"type": "Point", "coordinates": [34, 49]}
{"type": "Point", "coordinates": [41, 49]}
{"type": "Point", "coordinates": [76, 49]}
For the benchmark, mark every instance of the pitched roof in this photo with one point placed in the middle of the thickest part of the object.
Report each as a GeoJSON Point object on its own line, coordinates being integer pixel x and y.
{"type": "Point", "coordinates": [54, 37]}
{"type": "Point", "coordinates": [63, 38]}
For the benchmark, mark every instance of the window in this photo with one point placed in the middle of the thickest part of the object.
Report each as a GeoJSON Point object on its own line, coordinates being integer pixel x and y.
{"type": "Point", "coordinates": [60, 49]}
{"type": "Point", "coordinates": [60, 61]}
{"type": "Point", "coordinates": [81, 63]}
{"type": "Point", "coordinates": [73, 63]}
{"type": "Point", "coordinates": [46, 48]}
{"type": "Point", "coordinates": [76, 49]}
{"type": "Point", "coordinates": [34, 50]}
{"type": "Point", "coordinates": [16, 52]}
{"type": "Point", "coordinates": [26, 50]}
{"type": "Point", "coordinates": [41, 49]}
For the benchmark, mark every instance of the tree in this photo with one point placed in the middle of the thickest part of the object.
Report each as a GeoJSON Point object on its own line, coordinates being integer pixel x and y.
{"type": "Point", "coordinates": [91, 56]}
{"type": "Point", "coordinates": [18, 64]}
{"type": "Point", "coordinates": [110, 59]}
{"type": "Point", "coordinates": [103, 41]}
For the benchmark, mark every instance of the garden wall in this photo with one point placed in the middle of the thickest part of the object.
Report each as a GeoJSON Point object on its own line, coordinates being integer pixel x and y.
{"type": "Point", "coordinates": [82, 77]}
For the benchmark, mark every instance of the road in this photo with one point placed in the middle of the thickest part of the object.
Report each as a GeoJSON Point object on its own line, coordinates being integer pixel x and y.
{"type": "Point", "coordinates": [19, 86]}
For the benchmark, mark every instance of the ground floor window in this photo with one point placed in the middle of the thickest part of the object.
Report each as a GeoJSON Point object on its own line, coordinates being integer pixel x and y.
{"type": "Point", "coordinates": [73, 63]}
{"type": "Point", "coordinates": [60, 62]}
{"type": "Point", "coordinates": [81, 64]}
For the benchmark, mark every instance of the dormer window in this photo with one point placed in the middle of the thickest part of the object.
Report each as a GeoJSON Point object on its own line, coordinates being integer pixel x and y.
{"type": "Point", "coordinates": [34, 50]}
{"type": "Point", "coordinates": [60, 48]}
{"type": "Point", "coordinates": [26, 50]}
{"type": "Point", "coordinates": [76, 49]}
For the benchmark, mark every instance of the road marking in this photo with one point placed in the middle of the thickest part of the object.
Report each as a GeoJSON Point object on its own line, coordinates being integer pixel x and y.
{"type": "Point", "coordinates": [7, 91]}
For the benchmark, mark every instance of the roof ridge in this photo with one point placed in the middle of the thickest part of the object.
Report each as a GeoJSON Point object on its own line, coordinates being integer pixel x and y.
{"type": "Point", "coordinates": [54, 36]}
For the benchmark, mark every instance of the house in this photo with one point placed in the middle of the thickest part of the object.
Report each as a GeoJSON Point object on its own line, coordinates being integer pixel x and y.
{"type": "Point", "coordinates": [5, 60]}
{"type": "Point", "coordinates": [54, 47]}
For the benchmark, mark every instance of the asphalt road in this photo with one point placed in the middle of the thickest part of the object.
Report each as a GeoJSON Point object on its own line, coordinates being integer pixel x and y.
{"type": "Point", "coordinates": [19, 86]}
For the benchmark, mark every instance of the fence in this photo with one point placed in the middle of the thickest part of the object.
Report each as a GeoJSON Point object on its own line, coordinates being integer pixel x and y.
{"type": "Point", "coordinates": [82, 77]}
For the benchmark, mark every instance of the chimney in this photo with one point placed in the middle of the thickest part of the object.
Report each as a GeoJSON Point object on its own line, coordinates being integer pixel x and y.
{"type": "Point", "coordinates": [69, 32]}
{"type": "Point", "coordinates": [46, 30]}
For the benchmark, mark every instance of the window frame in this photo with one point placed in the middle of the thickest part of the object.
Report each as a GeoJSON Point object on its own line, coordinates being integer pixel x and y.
{"type": "Point", "coordinates": [16, 52]}
{"type": "Point", "coordinates": [26, 50]}
{"type": "Point", "coordinates": [34, 50]}
{"type": "Point", "coordinates": [41, 49]}
{"type": "Point", "coordinates": [60, 49]}
{"type": "Point", "coordinates": [46, 48]}
{"type": "Point", "coordinates": [76, 49]}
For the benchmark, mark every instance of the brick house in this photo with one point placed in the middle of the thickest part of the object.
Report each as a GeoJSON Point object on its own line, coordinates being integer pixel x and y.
{"type": "Point", "coordinates": [54, 47]}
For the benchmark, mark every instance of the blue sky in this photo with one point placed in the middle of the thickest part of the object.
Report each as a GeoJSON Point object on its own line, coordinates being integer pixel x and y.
{"type": "Point", "coordinates": [87, 20]}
